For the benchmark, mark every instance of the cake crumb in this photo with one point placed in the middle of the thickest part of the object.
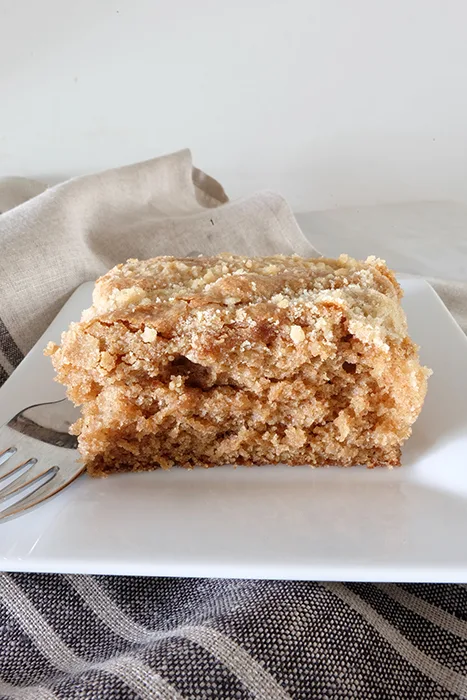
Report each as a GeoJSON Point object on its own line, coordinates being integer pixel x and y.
{"type": "Point", "coordinates": [297, 334]}
{"type": "Point", "coordinates": [107, 361]}
{"type": "Point", "coordinates": [149, 335]}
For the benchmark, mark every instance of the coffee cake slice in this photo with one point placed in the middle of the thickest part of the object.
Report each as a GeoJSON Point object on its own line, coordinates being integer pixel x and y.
{"type": "Point", "coordinates": [234, 360]}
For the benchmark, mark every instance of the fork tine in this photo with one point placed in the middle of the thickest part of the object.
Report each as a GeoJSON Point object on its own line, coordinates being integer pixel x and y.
{"type": "Point", "coordinates": [9, 470]}
{"type": "Point", "coordinates": [37, 471]}
{"type": "Point", "coordinates": [42, 493]}
{"type": "Point", "coordinates": [32, 499]}
{"type": "Point", "coordinates": [6, 454]}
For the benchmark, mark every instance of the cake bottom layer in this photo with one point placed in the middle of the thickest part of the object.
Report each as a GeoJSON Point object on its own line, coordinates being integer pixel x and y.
{"type": "Point", "coordinates": [190, 449]}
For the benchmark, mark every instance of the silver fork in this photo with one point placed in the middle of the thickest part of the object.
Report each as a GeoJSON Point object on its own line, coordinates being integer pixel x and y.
{"type": "Point", "coordinates": [38, 456]}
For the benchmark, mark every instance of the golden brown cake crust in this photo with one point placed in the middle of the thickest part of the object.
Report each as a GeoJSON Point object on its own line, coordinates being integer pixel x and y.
{"type": "Point", "coordinates": [240, 360]}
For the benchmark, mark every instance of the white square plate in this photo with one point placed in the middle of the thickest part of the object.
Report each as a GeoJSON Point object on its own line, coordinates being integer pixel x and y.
{"type": "Point", "coordinates": [407, 524]}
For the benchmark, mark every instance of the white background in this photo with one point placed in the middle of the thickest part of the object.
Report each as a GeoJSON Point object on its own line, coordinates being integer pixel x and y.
{"type": "Point", "coordinates": [331, 102]}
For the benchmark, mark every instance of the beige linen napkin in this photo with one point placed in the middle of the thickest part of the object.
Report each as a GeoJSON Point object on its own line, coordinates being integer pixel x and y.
{"type": "Point", "coordinates": [75, 231]}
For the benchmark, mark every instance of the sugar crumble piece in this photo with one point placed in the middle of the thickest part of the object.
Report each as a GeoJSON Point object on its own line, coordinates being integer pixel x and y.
{"type": "Point", "coordinates": [149, 335]}
{"type": "Point", "coordinates": [297, 334]}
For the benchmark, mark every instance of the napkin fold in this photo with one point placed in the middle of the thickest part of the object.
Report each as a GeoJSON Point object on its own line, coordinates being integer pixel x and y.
{"type": "Point", "coordinates": [54, 239]}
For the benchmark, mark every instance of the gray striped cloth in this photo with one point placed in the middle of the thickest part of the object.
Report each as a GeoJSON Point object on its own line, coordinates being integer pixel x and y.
{"type": "Point", "coordinates": [84, 637]}
{"type": "Point", "coordinates": [70, 637]}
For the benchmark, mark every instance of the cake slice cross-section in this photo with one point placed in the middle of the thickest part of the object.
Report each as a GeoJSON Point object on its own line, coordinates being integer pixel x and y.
{"type": "Point", "coordinates": [236, 360]}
